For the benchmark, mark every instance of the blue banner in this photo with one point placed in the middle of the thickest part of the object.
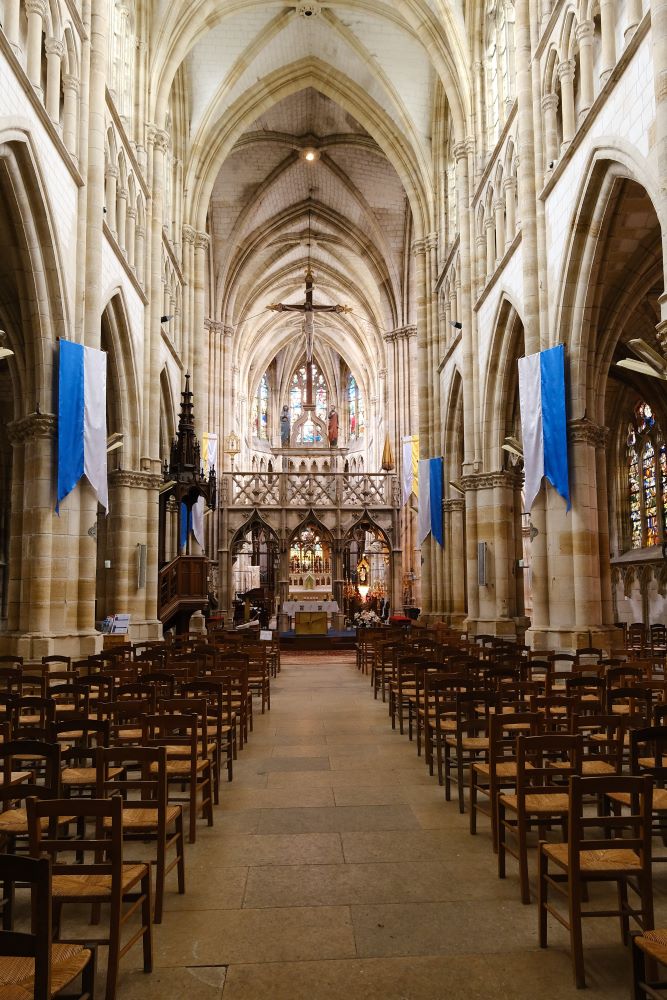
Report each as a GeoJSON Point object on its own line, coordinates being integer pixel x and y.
{"type": "Point", "coordinates": [554, 421]}
{"type": "Point", "coordinates": [436, 483]}
{"type": "Point", "coordinates": [70, 418]}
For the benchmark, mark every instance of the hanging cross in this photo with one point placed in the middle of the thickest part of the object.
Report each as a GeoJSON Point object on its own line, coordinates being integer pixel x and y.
{"type": "Point", "coordinates": [309, 308]}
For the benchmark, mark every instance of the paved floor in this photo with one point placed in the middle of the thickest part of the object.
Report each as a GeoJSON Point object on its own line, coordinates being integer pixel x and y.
{"type": "Point", "coordinates": [335, 869]}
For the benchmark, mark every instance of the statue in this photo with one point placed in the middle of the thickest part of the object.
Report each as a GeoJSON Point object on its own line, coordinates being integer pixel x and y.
{"type": "Point", "coordinates": [285, 427]}
{"type": "Point", "coordinates": [333, 427]}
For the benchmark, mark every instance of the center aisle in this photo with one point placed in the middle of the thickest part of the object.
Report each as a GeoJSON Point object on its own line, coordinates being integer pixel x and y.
{"type": "Point", "coordinates": [335, 869]}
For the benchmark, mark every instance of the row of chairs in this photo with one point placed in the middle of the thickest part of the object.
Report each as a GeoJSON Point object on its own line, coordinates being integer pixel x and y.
{"type": "Point", "coordinates": [575, 749]}
{"type": "Point", "coordinates": [114, 752]}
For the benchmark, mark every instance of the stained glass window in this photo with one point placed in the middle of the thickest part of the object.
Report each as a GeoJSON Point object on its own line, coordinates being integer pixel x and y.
{"type": "Point", "coordinates": [635, 498]}
{"type": "Point", "coordinates": [647, 478]}
{"type": "Point", "coordinates": [650, 494]}
{"type": "Point", "coordinates": [356, 415]}
{"type": "Point", "coordinates": [309, 433]}
{"type": "Point", "coordinates": [260, 410]}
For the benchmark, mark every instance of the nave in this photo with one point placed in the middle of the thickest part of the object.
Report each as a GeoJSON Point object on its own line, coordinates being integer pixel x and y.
{"type": "Point", "coordinates": [335, 868]}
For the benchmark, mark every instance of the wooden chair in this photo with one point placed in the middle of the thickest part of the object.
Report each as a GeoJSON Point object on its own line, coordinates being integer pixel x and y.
{"type": "Point", "coordinates": [139, 774]}
{"type": "Point", "coordinates": [568, 868]}
{"type": "Point", "coordinates": [179, 734]}
{"type": "Point", "coordinates": [469, 743]}
{"type": "Point", "coordinates": [602, 749]}
{"type": "Point", "coordinates": [32, 966]}
{"type": "Point", "coordinates": [648, 756]}
{"type": "Point", "coordinates": [218, 696]}
{"type": "Point", "coordinates": [488, 778]}
{"type": "Point", "coordinates": [543, 765]}
{"type": "Point", "coordinates": [208, 749]}
{"type": "Point", "coordinates": [651, 946]}
{"type": "Point", "coordinates": [93, 872]}
{"type": "Point", "coordinates": [13, 754]}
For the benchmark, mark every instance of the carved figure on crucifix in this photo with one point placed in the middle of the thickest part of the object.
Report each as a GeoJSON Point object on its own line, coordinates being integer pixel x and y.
{"type": "Point", "coordinates": [308, 308]}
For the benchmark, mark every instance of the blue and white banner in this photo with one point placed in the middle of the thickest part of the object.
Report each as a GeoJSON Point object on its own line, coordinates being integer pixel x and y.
{"type": "Point", "coordinates": [430, 499]}
{"type": "Point", "coordinates": [436, 468]}
{"type": "Point", "coordinates": [82, 420]}
{"type": "Point", "coordinates": [424, 519]}
{"type": "Point", "coordinates": [544, 422]}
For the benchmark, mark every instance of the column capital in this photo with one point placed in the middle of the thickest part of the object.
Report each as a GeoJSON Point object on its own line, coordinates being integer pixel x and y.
{"type": "Point", "coordinates": [53, 47]}
{"type": "Point", "coordinates": [401, 332]}
{"type": "Point", "coordinates": [489, 222]}
{"type": "Point", "coordinates": [587, 432]}
{"type": "Point", "coordinates": [499, 205]}
{"type": "Point", "coordinates": [36, 7]}
{"type": "Point", "coordinates": [585, 31]}
{"type": "Point", "coordinates": [135, 479]}
{"type": "Point", "coordinates": [566, 70]}
{"type": "Point", "coordinates": [157, 136]}
{"type": "Point", "coordinates": [454, 504]}
{"type": "Point", "coordinates": [382, 373]}
{"type": "Point", "coordinates": [131, 212]}
{"type": "Point", "coordinates": [111, 170]}
{"type": "Point", "coordinates": [431, 241]}
{"type": "Point", "coordinates": [214, 326]}
{"type": "Point", "coordinates": [122, 193]}
{"type": "Point", "coordinates": [505, 479]}
{"type": "Point", "coordinates": [419, 248]}
{"type": "Point", "coordinates": [70, 82]}
{"type": "Point", "coordinates": [509, 183]}
{"type": "Point", "coordinates": [188, 234]}
{"type": "Point", "coordinates": [202, 241]}
{"type": "Point", "coordinates": [550, 102]}
{"type": "Point", "coordinates": [460, 150]}
{"type": "Point", "coordinates": [34, 425]}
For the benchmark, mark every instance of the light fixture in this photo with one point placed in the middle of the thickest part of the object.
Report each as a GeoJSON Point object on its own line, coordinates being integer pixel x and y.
{"type": "Point", "coordinates": [513, 446]}
{"type": "Point", "coordinates": [232, 446]}
{"type": "Point", "coordinates": [455, 323]}
{"type": "Point", "coordinates": [653, 363]}
{"type": "Point", "coordinates": [165, 319]}
{"type": "Point", "coordinates": [114, 441]}
{"type": "Point", "coordinates": [5, 352]}
{"type": "Point", "coordinates": [310, 154]}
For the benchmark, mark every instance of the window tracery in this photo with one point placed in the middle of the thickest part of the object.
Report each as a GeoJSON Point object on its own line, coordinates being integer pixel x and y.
{"type": "Point", "coordinates": [310, 432]}
{"type": "Point", "coordinates": [356, 414]}
{"type": "Point", "coordinates": [260, 410]}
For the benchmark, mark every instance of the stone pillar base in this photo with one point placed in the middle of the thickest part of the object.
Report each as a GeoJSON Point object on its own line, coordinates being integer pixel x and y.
{"type": "Point", "coordinates": [567, 640]}
{"type": "Point", "coordinates": [197, 623]}
{"type": "Point", "coordinates": [145, 631]}
{"type": "Point", "coordinates": [32, 646]}
{"type": "Point", "coordinates": [502, 627]}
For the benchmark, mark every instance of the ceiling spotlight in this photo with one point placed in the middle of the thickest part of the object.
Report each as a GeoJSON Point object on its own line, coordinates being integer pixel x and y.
{"type": "Point", "coordinates": [310, 155]}
{"type": "Point", "coordinates": [455, 323]}
{"type": "Point", "coordinates": [165, 319]}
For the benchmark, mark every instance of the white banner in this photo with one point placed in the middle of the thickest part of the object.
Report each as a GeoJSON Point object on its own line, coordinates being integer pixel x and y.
{"type": "Point", "coordinates": [424, 522]}
{"type": "Point", "coordinates": [95, 422]}
{"type": "Point", "coordinates": [198, 521]}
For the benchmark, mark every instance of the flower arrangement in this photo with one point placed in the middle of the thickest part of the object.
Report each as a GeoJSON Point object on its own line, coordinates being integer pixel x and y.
{"type": "Point", "coordinates": [366, 619]}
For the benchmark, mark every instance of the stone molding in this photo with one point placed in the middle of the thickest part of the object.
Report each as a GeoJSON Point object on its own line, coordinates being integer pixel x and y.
{"type": "Point", "coordinates": [53, 47]}
{"type": "Point", "coordinates": [419, 248]}
{"type": "Point", "coordinates": [454, 504]}
{"type": "Point", "coordinates": [188, 234]}
{"type": "Point", "coordinates": [491, 480]}
{"type": "Point", "coordinates": [135, 479]}
{"type": "Point", "coordinates": [35, 425]}
{"type": "Point", "coordinates": [584, 430]}
{"type": "Point", "coordinates": [401, 332]}
{"type": "Point", "coordinates": [70, 82]}
{"type": "Point", "coordinates": [36, 7]}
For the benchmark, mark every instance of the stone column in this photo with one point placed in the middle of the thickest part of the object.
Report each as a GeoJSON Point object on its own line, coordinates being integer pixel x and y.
{"type": "Point", "coordinates": [634, 16]}
{"type": "Point", "coordinates": [70, 112]}
{"type": "Point", "coordinates": [499, 209]}
{"type": "Point", "coordinates": [200, 355]}
{"type": "Point", "coordinates": [455, 521]}
{"type": "Point", "coordinates": [659, 42]}
{"type": "Point", "coordinates": [151, 382]}
{"type": "Point", "coordinates": [509, 187]}
{"type": "Point", "coordinates": [54, 54]}
{"type": "Point", "coordinates": [139, 253]}
{"type": "Point", "coordinates": [130, 234]}
{"type": "Point", "coordinates": [36, 13]}
{"type": "Point", "coordinates": [425, 401]}
{"type": "Point", "coordinates": [585, 37]}
{"type": "Point", "coordinates": [111, 178]}
{"type": "Point", "coordinates": [480, 260]}
{"type": "Point", "coordinates": [608, 31]}
{"type": "Point", "coordinates": [11, 25]}
{"type": "Point", "coordinates": [490, 247]}
{"type": "Point", "coordinates": [121, 219]}
{"type": "Point", "coordinates": [566, 74]}
{"type": "Point", "coordinates": [550, 111]}
{"type": "Point", "coordinates": [188, 238]}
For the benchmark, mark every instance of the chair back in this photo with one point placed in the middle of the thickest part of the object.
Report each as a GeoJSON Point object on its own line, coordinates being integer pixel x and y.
{"type": "Point", "coordinates": [35, 944]}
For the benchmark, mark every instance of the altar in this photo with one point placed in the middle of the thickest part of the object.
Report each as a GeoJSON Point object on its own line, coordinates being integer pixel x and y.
{"type": "Point", "coordinates": [311, 617]}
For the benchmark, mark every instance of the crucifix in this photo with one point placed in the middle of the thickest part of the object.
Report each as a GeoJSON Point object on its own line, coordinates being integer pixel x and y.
{"type": "Point", "coordinates": [309, 308]}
